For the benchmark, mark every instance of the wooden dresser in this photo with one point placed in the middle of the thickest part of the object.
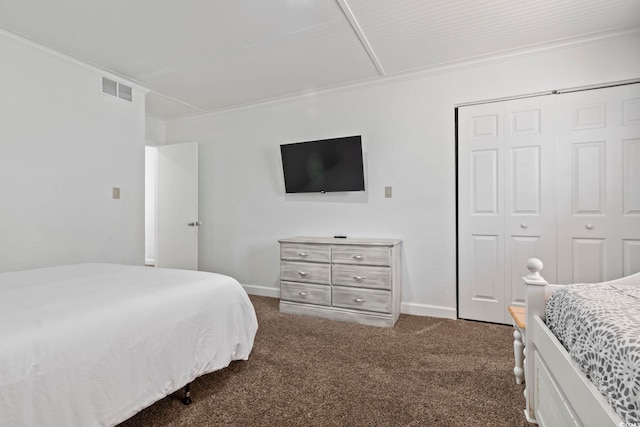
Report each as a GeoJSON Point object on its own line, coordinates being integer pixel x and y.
{"type": "Point", "coordinates": [355, 280]}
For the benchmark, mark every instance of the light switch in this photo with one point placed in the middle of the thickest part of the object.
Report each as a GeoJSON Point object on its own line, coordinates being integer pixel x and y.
{"type": "Point", "coordinates": [387, 192]}
{"type": "Point", "coordinates": [115, 193]}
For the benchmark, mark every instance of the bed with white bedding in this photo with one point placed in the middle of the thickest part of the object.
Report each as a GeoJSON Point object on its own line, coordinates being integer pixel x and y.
{"type": "Point", "coordinates": [582, 354]}
{"type": "Point", "coordinates": [93, 344]}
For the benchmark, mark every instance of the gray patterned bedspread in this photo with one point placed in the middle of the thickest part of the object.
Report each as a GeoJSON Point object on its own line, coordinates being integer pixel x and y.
{"type": "Point", "coordinates": [599, 325]}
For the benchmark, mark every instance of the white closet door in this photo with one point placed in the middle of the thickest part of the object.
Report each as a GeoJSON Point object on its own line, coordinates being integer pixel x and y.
{"type": "Point", "coordinates": [481, 288]}
{"type": "Point", "coordinates": [530, 202]}
{"type": "Point", "coordinates": [599, 184]}
{"type": "Point", "coordinates": [551, 177]}
{"type": "Point", "coordinates": [506, 207]}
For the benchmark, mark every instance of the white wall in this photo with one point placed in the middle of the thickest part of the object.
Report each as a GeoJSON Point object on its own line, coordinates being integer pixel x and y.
{"type": "Point", "coordinates": [155, 136]}
{"type": "Point", "coordinates": [150, 183]}
{"type": "Point", "coordinates": [408, 133]}
{"type": "Point", "coordinates": [154, 132]}
{"type": "Point", "coordinates": [63, 146]}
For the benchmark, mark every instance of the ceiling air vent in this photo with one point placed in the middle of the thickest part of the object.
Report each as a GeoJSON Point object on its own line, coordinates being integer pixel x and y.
{"type": "Point", "coordinates": [113, 88]}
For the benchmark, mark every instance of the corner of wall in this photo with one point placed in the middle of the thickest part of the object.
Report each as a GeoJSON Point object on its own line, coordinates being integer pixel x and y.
{"type": "Point", "coordinates": [155, 132]}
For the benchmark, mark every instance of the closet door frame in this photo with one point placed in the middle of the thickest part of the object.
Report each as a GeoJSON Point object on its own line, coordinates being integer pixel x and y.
{"type": "Point", "coordinates": [621, 184]}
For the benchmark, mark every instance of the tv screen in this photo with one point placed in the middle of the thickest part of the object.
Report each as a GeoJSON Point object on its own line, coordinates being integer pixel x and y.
{"type": "Point", "coordinates": [326, 165]}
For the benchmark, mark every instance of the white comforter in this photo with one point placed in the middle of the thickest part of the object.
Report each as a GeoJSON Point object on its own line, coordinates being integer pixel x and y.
{"type": "Point", "coordinates": [92, 344]}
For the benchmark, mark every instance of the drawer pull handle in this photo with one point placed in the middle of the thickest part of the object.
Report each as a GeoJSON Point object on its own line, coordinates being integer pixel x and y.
{"type": "Point", "coordinates": [303, 273]}
{"type": "Point", "coordinates": [359, 277]}
{"type": "Point", "coordinates": [358, 257]}
{"type": "Point", "coordinates": [359, 300]}
{"type": "Point", "coordinates": [304, 294]}
{"type": "Point", "coordinates": [303, 254]}
{"type": "Point", "coordinates": [589, 226]}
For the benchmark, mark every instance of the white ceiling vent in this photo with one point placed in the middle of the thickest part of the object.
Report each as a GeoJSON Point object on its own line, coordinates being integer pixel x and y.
{"type": "Point", "coordinates": [113, 88]}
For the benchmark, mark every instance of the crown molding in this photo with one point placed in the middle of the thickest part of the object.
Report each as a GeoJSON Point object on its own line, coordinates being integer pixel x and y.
{"type": "Point", "coordinates": [627, 33]}
{"type": "Point", "coordinates": [26, 42]}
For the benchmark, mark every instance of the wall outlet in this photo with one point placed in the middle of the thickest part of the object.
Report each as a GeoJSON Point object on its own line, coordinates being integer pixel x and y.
{"type": "Point", "coordinates": [388, 193]}
{"type": "Point", "coordinates": [115, 193]}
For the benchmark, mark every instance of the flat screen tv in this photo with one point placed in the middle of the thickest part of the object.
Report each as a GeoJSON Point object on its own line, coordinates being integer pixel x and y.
{"type": "Point", "coordinates": [323, 166]}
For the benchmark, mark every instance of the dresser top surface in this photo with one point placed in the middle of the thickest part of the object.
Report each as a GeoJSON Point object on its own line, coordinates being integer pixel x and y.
{"type": "Point", "coordinates": [341, 241]}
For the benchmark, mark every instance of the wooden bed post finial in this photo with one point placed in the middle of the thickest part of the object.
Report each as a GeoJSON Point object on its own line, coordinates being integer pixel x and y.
{"type": "Point", "coordinates": [534, 265]}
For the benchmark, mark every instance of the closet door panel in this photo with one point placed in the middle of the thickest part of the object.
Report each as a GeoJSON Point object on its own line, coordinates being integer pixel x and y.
{"type": "Point", "coordinates": [524, 176]}
{"type": "Point", "coordinates": [588, 170]}
{"type": "Point", "coordinates": [589, 260]}
{"type": "Point", "coordinates": [487, 283]}
{"type": "Point", "coordinates": [586, 206]}
{"type": "Point", "coordinates": [481, 214]}
{"type": "Point", "coordinates": [584, 199]}
{"type": "Point", "coordinates": [630, 257]}
{"type": "Point", "coordinates": [506, 204]}
{"type": "Point", "coordinates": [529, 195]}
{"type": "Point", "coordinates": [484, 182]}
{"type": "Point", "coordinates": [522, 248]}
{"type": "Point", "coordinates": [599, 190]}
{"type": "Point", "coordinates": [628, 226]}
{"type": "Point", "coordinates": [631, 177]}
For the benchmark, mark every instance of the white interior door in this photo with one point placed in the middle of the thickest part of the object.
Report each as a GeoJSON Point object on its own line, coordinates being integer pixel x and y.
{"type": "Point", "coordinates": [177, 206]}
{"type": "Point", "coordinates": [481, 278]}
{"type": "Point", "coordinates": [552, 177]}
{"type": "Point", "coordinates": [530, 199]}
{"type": "Point", "coordinates": [599, 185]}
{"type": "Point", "coordinates": [506, 203]}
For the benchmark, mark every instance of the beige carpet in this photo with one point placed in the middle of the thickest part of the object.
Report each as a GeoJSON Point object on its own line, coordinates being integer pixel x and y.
{"type": "Point", "coordinates": [305, 371]}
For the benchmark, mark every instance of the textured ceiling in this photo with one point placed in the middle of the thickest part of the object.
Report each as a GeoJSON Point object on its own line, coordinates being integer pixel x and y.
{"type": "Point", "coordinates": [198, 56]}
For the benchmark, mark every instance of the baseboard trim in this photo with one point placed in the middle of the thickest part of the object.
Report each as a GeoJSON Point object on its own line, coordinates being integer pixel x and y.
{"type": "Point", "coordinates": [262, 291]}
{"type": "Point", "coordinates": [428, 310]}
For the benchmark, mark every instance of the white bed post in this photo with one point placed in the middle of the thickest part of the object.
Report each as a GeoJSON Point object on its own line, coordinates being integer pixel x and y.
{"type": "Point", "coordinates": [534, 307]}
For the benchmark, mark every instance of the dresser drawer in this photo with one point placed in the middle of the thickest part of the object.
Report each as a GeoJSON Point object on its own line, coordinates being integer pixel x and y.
{"type": "Point", "coordinates": [361, 299]}
{"type": "Point", "coordinates": [301, 252]}
{"type": "Point", "coordinates": [361, 255]}
{"type": "Point", "coordinates": [362, 276]}
{"type": "Point", "coordinates": [305, 292]}
{"type": "Point", "coordinates": [308, 272]}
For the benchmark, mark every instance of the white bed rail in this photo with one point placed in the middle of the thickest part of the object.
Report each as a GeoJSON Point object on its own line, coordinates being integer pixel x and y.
{"type": "Point", "coordinates": [535, 299]}
{"type": "Point", "coordinates": [557, 391]}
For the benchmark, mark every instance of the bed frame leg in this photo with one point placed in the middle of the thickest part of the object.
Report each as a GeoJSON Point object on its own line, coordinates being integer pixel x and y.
{"type": "Point", "coordinates": [187, 394]}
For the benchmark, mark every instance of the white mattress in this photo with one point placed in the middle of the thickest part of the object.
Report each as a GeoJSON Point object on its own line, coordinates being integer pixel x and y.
{"type": "Point", "coordinates": [93, 344]}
